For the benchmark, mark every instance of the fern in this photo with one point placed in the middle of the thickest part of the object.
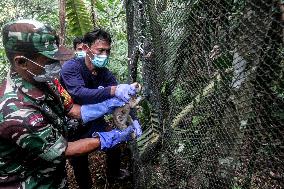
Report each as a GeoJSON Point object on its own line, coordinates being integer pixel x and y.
{"type": "Point", "coordinates": [79, 19]}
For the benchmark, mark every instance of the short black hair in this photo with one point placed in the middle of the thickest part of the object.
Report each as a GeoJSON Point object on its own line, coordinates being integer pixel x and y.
{"type": "Point", "coordinates": [91, 37]}
{"type": "Point", "coordinates": [76, 41]}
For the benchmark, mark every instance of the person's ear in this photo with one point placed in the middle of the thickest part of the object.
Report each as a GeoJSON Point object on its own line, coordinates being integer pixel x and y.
{"type": "Point", "coordinates": [20, 62]}
{"type": "Point", "coordinates": [85, 47]}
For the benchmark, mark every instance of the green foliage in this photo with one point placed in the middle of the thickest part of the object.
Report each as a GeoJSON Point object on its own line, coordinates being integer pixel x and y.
{"type": "Point", "coordinates": [196, 120]}
{"type": "Point", "coordinates": [236, 187]}
{"type": "Point", "coordinates": [278, 89]}
{"type": "Point", "coordinates": [4, 64]}
{"type": "Point", "coordinates": [278, 86]}
{"type": "Point", "coordinates": [179, 94]}
{"type": "Point", "coordinates": [100, 6]}
{"type": "Point", "coordinates": [223, 61]}
{"type": "Point", "coordinates": [79, 18]}
{"type": "Point", "coordinates": [144, 113]}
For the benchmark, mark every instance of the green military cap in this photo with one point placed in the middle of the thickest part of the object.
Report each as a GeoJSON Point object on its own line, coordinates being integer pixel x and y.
{"type": "Point", "coordinates": [35, 37]}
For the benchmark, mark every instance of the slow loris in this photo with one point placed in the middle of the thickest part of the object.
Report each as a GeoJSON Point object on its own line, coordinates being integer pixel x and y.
{"type": "Point", "coordinates": [121, 117]}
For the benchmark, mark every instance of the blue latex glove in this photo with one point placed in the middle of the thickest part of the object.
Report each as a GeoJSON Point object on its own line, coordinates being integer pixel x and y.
{"type": "Point", "coordinates": [137, 128]}
{"type": "Point", "coordinates": [90, 112]}
{"type": "Point", "coordinates": [123, 91]}
{"type": "Point", "coordinates": [113, 103]}
{"type": "Point", "coordinates": [114, 137]}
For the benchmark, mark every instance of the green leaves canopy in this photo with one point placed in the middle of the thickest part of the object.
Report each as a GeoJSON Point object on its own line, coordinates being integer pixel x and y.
{"type": "Point", "coordinates": [79, 18]}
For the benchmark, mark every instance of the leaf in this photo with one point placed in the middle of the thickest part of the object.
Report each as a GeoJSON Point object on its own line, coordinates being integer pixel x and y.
{"type": "Point", "coordinates": [4, 64]}
{"type": "Point", "coordinates": [196, 120]}
{"type": "Point", "coordinates": [100, 6]}
{"type": "Point", "coordinates": [224, 61]}
{"type": "Point", "coordinates": [279, 114]}
{"type": "Point", "coordinates": [111, 1]}
{"type": "Point", "coordinates": [79, 19]}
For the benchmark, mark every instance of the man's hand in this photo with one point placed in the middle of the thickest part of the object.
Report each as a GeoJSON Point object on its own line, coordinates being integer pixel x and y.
{"type": "Point", "coordinates": [123, 91]}
{"type": "Point", "coordinates": [137, 128]}
{"type": "Point", "coordinates": [112, 103]}
{"type": "Point", "coordinates": [75, 112]}
{"type": "Point", "coordinates": [90, 112]}
{"type": "Point", "coordinates": [113, 137]}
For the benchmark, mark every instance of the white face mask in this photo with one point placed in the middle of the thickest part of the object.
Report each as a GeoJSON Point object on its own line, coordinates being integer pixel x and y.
{"type": "Point", "coordinates": [80, 54]}
{"type": "Point", "coordinates": [50, 72]}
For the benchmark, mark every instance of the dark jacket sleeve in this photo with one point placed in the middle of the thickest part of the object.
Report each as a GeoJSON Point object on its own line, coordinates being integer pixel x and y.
{"type": "Point", "coordinates": [71, 75]}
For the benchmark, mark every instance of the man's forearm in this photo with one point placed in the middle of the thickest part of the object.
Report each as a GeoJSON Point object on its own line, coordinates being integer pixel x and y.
{"type": "Point", "coordinates": [75, 112]}
{"type": "Point", "coordinates": [91, 96]}
{"type": "Point", "coordinates": [82, 146]}
{"type": "Point", "coordinates": [112, 90]}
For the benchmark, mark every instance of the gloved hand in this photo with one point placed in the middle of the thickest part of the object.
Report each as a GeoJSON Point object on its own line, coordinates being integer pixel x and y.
{"type": "Point", "coordinates": [137, 128]}
{"type": "Point", "coordinates": [112, 103]}
{"type": "Point", "coordinates": [113, 137]}
{"type": "Point", "coordinates": [124, 90]}
{"type": "Point", "coordinates": [90, 112]}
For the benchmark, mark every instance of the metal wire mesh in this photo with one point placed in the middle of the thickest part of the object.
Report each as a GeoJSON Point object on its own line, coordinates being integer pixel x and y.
{"type": "Point", "coordinates": [213, 78]}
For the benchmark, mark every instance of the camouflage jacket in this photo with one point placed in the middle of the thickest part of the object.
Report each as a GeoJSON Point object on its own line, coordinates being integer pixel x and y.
{"type": "Point", "coordinates": [32, 137]}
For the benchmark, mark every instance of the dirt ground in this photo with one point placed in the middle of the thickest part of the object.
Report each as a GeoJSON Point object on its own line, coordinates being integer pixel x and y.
{"type": "Point", "coordinates": [97, 169]}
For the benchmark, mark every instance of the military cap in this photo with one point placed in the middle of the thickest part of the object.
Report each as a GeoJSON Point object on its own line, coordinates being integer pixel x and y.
{"type": "Point", "coordinates": [34, 37]}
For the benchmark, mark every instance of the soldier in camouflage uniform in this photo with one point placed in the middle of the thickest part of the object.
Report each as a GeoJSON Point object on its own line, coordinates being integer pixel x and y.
{"type": "Point", "coordinates": [33, 121]}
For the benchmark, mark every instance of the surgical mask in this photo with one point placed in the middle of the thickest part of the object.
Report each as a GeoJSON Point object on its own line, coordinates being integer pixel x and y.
{"type": "Point", "coordinates": [50, 76]}
{"type": "Point", "coordinates": [99, 61]}
{"type": "Point", "coordinates": [50, 72]}
{"type": "Point", "coordinates": [80, 54]}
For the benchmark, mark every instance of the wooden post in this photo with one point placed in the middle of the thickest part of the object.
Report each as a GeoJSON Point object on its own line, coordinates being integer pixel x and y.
{"type": "Point", "coordinates": [62, 13]}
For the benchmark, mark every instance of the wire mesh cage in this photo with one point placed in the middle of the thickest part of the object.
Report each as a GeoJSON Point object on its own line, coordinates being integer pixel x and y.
{"type": "Point", "coordinates": [213, 78]}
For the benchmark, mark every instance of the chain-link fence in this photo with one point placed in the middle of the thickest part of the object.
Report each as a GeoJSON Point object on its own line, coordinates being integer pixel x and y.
{"type": "Point", "coordinates": [213, 76]}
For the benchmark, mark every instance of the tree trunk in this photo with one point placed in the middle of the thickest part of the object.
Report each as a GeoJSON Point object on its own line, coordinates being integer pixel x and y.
{"type": "Point", "coordinates": [62, 13]}
{"type": "Point", "coordinates": [93, 13]}
{"type": "Point", "coordinates": [130, 39]}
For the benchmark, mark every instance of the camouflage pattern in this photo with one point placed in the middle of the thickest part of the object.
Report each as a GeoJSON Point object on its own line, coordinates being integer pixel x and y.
{"type": "Point", "coordinates": [33, 36]}
{"type": "Point", "coordinates": [32, 136]}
